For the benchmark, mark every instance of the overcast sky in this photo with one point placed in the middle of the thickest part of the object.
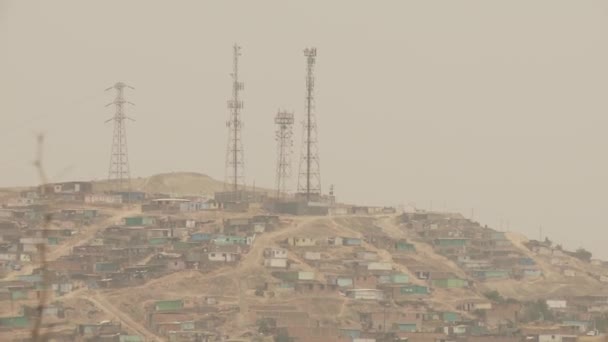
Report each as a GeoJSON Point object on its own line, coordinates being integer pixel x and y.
{"type": "Point", "coordinates": [499, 106]}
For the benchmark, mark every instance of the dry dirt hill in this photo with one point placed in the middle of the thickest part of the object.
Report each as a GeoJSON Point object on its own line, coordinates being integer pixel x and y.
{"type": "Point", "coordinates": [174, 183]}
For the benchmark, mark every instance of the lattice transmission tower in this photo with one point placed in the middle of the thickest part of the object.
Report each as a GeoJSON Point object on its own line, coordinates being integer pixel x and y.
{"type": "Point", "coordinates": [235, 163]}
{"type": "Point", "coordinates": [119, 171]}
{"type": "Point", "coordinates": [309, 179]}
{"type": "Point", "coordinates": [284, 121]}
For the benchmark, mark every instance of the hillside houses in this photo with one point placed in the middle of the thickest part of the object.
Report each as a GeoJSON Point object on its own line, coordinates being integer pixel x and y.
{"type": "Point", "coordinates": [186, 272]}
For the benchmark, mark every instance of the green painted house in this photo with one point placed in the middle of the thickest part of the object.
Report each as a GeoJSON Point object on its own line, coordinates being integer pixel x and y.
{"type": "Point", "coordinates": [18, 294]}
{"type": "Point", "coordinates": [450, 283]}
{"type": "Point", "coordinates": [405, 327]}
{"type": "Point", "coordinates": [414, 290]}
{"type": "Point", "coordinates": [451, 242]}
{"type": "Point", "coordinates": [14, 322]}
{"type": "Point", "coordinates": [450, 316]}
{"type": "Point", "coordinates": [492, 274]}
{"type": "Point", "coordinates": [135, 221]}
{"type": "Point", "coordinates": [130, 338]}
{"type": "Point", "coordinates": [398, 278]}
{"type": "Point", "coordinates": [159, 241]}
{"type": "Point", "coordinates": [169, 305]}
{"type": "Point", "coordinates": [225, 240]}
{"type": "Point", "coordinates": [404, 246]}
{"type": "Point", "coordinates": [104, 267]}
{"type": "Point", "coordinates": [184, 245]}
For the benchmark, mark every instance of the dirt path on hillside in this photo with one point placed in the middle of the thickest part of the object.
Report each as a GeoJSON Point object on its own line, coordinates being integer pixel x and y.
{"type": "Point", "coordinates": [424, 252]}
{"type": "Point", "coordinates": [101, 302]}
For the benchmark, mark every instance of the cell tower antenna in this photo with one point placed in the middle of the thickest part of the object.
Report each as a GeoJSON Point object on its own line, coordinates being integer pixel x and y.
{"type": "Point", "coordinates": [309, 179]}
{"type": "Point", "coordinates": [119, 171]}
{"type": "Point", "coordinates": [235, 163]}
{"type": "Point", "coordinates": [284, 121]}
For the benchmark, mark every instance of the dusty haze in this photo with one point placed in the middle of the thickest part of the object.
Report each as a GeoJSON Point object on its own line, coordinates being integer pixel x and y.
{"type": "Point", "coordinates": [495, 106]}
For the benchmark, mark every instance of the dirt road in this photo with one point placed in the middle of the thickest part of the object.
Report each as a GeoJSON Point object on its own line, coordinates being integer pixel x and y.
{"type": "Point", "coordinates": [101, 302]}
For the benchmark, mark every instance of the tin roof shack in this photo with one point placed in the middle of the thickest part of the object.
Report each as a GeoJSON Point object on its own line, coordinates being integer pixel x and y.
{"type": "Point", "coordinates": [168, 305]}
{"type": "Point", "coordinates": [474, 262]}
{"type": "Point", "coordinates": [199, 204]}
{"type": "Point", "coordinates": [73, 265]}
{"type": "Point", "coordinates": [168, 316]}
{"type": "Point", "coordinates": [470, 305]}
{"type": "Point", "coordinates": [301, 241]}
{"type": "Point", "coordinates": [106, 267]}
{"type": "Point", "coordinates": [236, 226]}
{"type": "Point", "coordinates": [450, 282]}
{"type": "Point", "coordinates": [399, 292]}
{"type": "Point", "coordinates": [294, 276]}
{"type": "Point", "coordinates": [365, 294]}
{"type": "Point", "coordinates": [243, 196]}
{"type": "Point", "coordinates": [99, 332]}
{"type": "Point", "coordinates": [225, 254]}
{"type": "Point", "coordinates": [299, 207]}
{"type": "Point", "coordinates": [54, 189]}
{"type": "Point", "coordinates": [343, 241]}
{"type": "Point", "coordinates": [79, 214]}
{"type": "Point", "coordinates": [557, 304]}
{"type": "Point", "coordinates": [130, 196]}
{"type": "Point", "coordinates": [314, 287]}
{"type": "Point", "coordinates": [276, 263]}
{"type": "Point", "coordinates": [379, 267]}
{"type": "Point", "coordinates": [165, 205]}
{"type": "Point", "coordinates": [275, 258]}
{"type": "Point", "coordinates": [491, 274]}
{"type": "Point", "coordinates": [302, 333]}
{"type": "Point", "coordinates": [451, 246]}
{"type": "Point", "coordinates": [124, 236]}
{"type": "Point", "coordinates": [389, 320]}
{"type": "Point", "coordinates": [139, 221]}
{"type": "Point", "coordinates": [103, 199]}
{"type": "Point", "coordinates": [9, 230]}
{"type": "Point", "coordinates": [403, 246]}
{"type": "Point", "coordinates": [229, 240]}
{"type": "Point", "coordinates": [15, 322]}
{"type": "Point", "coordinates": [277, 253]}
{"type": "Point", "coordinates": [170, 261]}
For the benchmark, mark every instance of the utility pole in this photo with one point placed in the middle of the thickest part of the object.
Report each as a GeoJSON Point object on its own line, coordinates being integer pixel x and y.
{"type": "Point", "coordinates": [235, 164]}
{"type": "Point", "coordinates": [119, 171]}
{"type": "Point", "coordinates": [309, 180]}
{"type": "Point", "coordinates": [284, 136]}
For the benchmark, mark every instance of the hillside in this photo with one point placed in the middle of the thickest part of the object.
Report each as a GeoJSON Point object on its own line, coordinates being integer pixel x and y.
{"type": "Point", "coordinates": [234, 286]}
{"type": "Point", "coordinates": [364, 270]}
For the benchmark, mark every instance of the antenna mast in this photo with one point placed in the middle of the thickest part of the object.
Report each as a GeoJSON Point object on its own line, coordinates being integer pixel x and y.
{"type": "Point", "coordinates": [309, 180]}
{"type": "Point", "coordinates": [235, 165]}
{"type": "Point", "coordinates": [119, 159]}
{"type": "Point", "coordinates": [284, 121]}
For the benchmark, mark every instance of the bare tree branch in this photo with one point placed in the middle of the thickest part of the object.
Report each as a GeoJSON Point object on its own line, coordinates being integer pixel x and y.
{"type": "Point", "coordinates": [43, 298]}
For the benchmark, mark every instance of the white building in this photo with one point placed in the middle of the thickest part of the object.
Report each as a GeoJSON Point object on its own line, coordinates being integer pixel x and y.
{"type": "Point", "coordinates": [312, 255]}
{"type": "Point", "coordinates": [102, 199]}
{"type": "Point", "coordinates": [365, 294]}
{"type": "Point", "coordinates": [275, 253]}
{"type": "Point", "coordinates": [275, 263]}
{"type": "Point", "coordinates": [301, 241]}
{"type": "Point", "coordinates": [557, 304]}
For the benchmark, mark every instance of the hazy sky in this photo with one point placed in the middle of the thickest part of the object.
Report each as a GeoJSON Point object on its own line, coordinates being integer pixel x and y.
{"type": "Point", "coordinates": [495, 105]}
